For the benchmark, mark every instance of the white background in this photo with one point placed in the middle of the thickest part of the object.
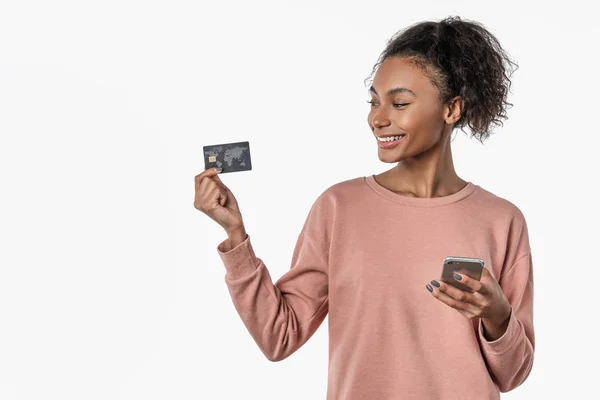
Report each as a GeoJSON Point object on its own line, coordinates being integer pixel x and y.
{"type": "Point", "coordinates": [110, 283]}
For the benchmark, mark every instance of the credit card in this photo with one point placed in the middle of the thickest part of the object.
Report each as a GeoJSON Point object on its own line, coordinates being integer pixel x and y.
{"type": "Point", "coordinates": [232, 157]}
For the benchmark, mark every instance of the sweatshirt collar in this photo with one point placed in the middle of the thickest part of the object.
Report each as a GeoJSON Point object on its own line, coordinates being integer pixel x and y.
{"type": "Point", "coordinates": [467, 190]}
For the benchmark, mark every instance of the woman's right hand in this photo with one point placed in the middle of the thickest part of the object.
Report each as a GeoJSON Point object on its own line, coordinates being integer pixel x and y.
{"type": "Point", "coordinates": [216, 200]}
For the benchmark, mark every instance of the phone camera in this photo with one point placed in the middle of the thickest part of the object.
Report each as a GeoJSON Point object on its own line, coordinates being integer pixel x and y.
{"type": "Point", "coordinates": [449, 262]}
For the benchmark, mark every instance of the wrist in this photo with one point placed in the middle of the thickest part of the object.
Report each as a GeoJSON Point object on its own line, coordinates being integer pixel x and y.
{"type": "Point", "coordinates": [236, 236]}
{"type": "Point", "coordinates": [494, 328]}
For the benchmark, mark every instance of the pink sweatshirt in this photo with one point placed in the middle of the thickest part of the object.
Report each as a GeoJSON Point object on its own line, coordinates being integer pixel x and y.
{"type": "Point", "coordinates": [363, 257]}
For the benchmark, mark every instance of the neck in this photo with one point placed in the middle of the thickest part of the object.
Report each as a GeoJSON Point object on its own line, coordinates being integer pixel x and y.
{"type": "Point", "coordinates": [429, 174]}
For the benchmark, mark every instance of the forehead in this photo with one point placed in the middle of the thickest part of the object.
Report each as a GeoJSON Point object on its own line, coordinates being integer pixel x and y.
{"type": "Point", "coordinates": [400, 72]}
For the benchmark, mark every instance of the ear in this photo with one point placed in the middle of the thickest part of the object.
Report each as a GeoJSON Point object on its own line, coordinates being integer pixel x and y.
{"type": "Point", "coordinates": [454, 110]}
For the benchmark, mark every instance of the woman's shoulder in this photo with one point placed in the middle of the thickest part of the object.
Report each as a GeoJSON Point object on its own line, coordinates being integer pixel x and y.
{"type": "Point", "coordinates": [345, 188]}
{"type": "Point", "coordinates": [498, 203]}
{"type": "Point", "coordinates": [347, 185]}
{"type": "Point", "coordinates": [339, 193]}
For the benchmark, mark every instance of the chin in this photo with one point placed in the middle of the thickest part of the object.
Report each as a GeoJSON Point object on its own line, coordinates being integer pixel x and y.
{"type": "Point", "coordinates": [389, 158]}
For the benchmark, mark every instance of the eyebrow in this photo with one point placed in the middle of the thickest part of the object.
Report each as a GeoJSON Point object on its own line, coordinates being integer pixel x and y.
{"type": "Point", "coordinates": [394, 91]}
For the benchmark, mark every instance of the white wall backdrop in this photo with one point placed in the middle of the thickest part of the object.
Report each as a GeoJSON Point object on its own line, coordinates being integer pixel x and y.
{"type": "Point", "coordinates": [110, 283]}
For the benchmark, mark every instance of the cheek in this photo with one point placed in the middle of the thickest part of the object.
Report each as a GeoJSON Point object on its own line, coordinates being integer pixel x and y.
{"type": "Point", "coordinates": [414, 122]}
{"type": "Point", "coordinates": [423, 122]}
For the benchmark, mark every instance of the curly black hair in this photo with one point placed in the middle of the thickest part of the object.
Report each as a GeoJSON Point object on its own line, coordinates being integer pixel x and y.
{"type": "Point", "coordinates": [460, 57]}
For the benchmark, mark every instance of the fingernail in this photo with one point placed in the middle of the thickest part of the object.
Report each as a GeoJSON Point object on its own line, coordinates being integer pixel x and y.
{"type": "Point", "coordinates": [429, 288]}
{"type": "Point", "coordinates": [435, 283]}
{"type": "Point", "coordinates": [457, 277]}
{"type": "Point", "coordinates": [219, 169]}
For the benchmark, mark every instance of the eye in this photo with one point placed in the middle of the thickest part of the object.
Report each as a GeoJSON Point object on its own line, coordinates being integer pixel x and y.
{"type": "Point", "coordinates": [395, 104]}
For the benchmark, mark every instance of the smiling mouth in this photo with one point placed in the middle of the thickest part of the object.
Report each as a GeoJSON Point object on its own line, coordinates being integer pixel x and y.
{"type": "Point", "coordinates": [389, 138]}
{"type": "Point", "coordinates": [390, 142]}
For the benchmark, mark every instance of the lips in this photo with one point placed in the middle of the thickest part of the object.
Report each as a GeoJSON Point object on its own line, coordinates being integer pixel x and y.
{"type": "Point", "coordinates": [390, 144]}
{"type": "Point", "coordinates": [389, 136]}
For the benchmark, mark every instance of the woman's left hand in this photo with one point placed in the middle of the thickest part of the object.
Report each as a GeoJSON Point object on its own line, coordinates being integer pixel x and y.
{"type": "Point", "coordinates": [488, 301]}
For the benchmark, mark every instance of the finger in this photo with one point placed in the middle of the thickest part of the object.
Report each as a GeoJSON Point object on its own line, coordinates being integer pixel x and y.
{"type": "Point", "coordinates": [455, 293]}
{"type": "Point", "coordinates": [225, 188]}
{"type": "Point", "coordinates": [451, 302]}
{"type": "Point", "coordinates": [218, 179]}
{"type": "Point", "coordinates": [213, 178]}
{"type": "Point", "coordinates": [222, 199]}
{"type": "Point", "coordinates": [212, 190]}
{"type": "Point", "coordinates": [207, 185]}
{"type": "Point", "coordinates": [208, 172]}
{"type": "Point", "coordinates": [474, 284]}
{"type": "Point", "coordinates": [213, 186]}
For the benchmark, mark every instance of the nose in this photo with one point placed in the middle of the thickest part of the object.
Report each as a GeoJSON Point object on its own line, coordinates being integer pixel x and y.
{"type": "Point", "coordinates": [379, 118]}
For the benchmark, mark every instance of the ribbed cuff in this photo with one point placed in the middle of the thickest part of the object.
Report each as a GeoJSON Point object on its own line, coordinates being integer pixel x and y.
{"type": "Point", "coordinates": [240, 260]}
{"type": "Point", "coordinates": [504, 342]}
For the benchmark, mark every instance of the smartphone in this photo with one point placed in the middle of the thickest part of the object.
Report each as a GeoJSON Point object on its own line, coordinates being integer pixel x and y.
{"type": "Point", "coordinates": [469, 266]}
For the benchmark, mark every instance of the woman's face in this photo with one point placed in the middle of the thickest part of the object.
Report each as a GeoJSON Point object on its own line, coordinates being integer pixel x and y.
{"type": "Point", "coordinates": [405, 102]}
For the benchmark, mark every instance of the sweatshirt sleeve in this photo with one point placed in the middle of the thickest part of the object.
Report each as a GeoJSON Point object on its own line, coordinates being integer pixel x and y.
{"type": "Point", "coordinates": [281, 317]}
{"type": "Point", "coordinates": [510, 357]}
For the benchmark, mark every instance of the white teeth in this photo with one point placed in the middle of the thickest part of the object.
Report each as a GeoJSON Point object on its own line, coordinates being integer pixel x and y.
{"type": "Point", "coordinates": [389, 139]}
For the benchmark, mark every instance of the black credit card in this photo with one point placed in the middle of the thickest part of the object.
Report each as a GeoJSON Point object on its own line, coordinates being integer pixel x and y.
{"type": "Point", "coordinates": [232, 157]}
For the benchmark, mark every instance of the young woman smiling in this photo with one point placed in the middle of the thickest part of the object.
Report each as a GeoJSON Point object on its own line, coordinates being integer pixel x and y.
{"type": "Point", "coordinates": [370, 244]}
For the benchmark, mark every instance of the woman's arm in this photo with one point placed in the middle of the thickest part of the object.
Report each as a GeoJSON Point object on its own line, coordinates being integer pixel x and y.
{"type": "Point", "coordinates": [281, 317]}
{"type": "Point", "coordinates": [510, 357]}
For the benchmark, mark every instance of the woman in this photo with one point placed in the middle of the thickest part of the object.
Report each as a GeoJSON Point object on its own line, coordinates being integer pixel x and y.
{"type": "Point", "coordinates": [370, 244]}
